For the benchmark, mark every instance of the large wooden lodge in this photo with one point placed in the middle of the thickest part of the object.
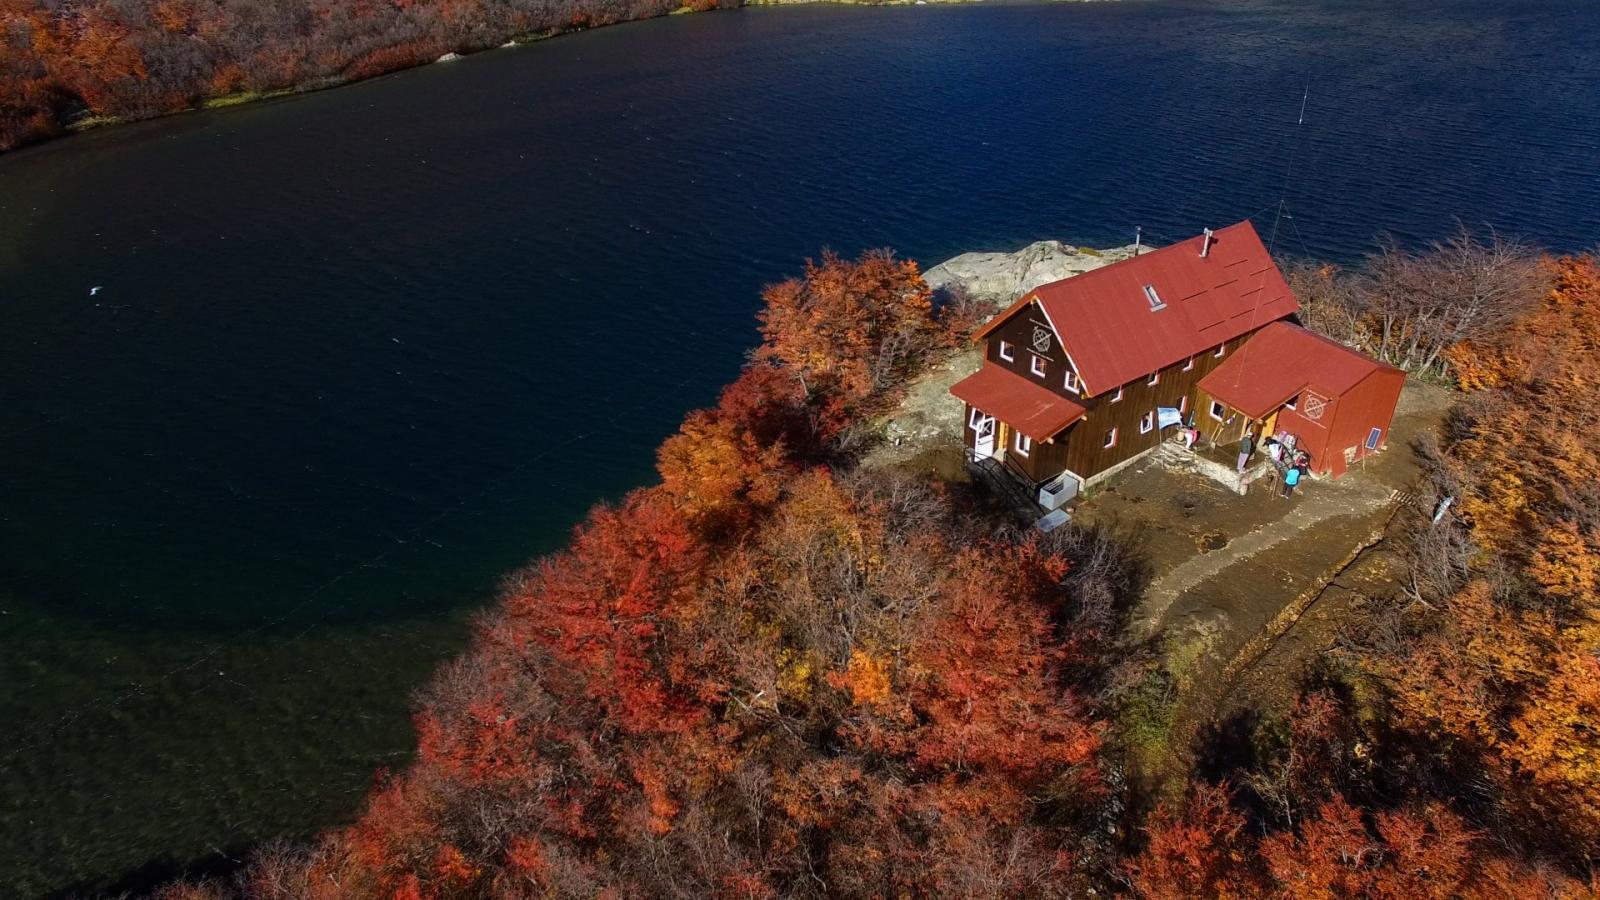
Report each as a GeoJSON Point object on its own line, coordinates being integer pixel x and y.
{"type": "Point", "coordinates": [1075, 371]}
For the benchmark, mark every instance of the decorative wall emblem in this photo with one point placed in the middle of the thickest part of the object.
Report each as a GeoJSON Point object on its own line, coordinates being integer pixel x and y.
{"type": "Point", "coordinates": [1041, 339]}
{"type": "Point", "coordinates": [1314, 406]}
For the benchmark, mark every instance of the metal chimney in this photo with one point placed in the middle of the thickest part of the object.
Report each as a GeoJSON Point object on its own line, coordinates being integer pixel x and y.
{"type": "Point", "coordinates": [1205, 243]}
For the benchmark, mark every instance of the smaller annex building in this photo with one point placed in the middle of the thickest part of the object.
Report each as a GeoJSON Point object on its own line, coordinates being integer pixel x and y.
{"type": "Point", "coordinates": [1338, 403]}
{"type": "Point", "coordinates": [1083, 375]}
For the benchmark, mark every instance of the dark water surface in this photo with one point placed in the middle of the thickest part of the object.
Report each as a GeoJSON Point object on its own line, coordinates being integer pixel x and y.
{"type": "Point", "coordinates": [357, 354]}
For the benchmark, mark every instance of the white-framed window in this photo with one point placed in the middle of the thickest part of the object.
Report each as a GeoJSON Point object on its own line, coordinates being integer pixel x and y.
{"type": "Point", "coordinates": [1154, 298]}
{"type": "Point", "coordinates": [1222, 348]}
{"type": "Point", "coordinates": [1147, 422]}
{"type": "Point", "coordinates": [1154, 379]}
{"type": "Point", "coordinates": [1188, 364]}
{"type": "Point", "coordinates": [1373, 437]}
{"type": "Point", "coordinates": [1117, 397]}
{"type": "Point", "coordinates": [1218, 410]}
{"type": "Point", "coordinates": [1111, 438]}
{"type": "Point", "coordinates": [1022, 444]}
{"type": "Point", "coordinates": [1006, 353]}
{"type": "Point", "coordinates": [975, 418]}
{"type": "Point", "coordinates": [1072, 382]}
{"type": "Point", "coordinates": [1292, 402]}
{"type": "Point", "coordinates": [1036, 366]}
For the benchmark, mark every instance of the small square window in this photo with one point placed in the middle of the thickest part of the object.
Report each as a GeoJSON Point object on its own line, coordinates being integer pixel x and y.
{"type": "Point", "coordinates": [1217, 410]}
{"type": "Point", "coordinates": [1154, 379]}
{"type": "Point", "coordinates": [1221, 349]}
{"type": "Point", "coordinates": [1006, 353]}
{"type": "Point", "coordinates": [1189, 364]}
{"type": "Point", "coordinates": [1292, 402]}
{"type": "Point", "coordinates": [1036, 366]}
{"type": "Point", "coordinates": [975, 418]}
{"type": "Point", "coordinates": [1023, 444]}
{"type": "Point", "coordinates": [1072, 382]}
{"type": "Point", "coordinates": [1111, 438]}
{"type": "Point", "coordinates": [1147, 422]}
{"type": "Point", "coordinates": [1117, 397]}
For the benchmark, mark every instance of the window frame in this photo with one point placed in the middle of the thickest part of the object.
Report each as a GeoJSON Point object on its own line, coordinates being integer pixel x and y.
{"type": "Point", "coordinates": [1007, 352]}
{"type": "Point", "coordinates": [1153, 296]}
{"type": "Point", "coordinates": [1111, 439]}
{"type": "Point", "coordinates": [1153, 379]}
{"type": "Point", "coordinates": [1216, 405]}
{"type": "Point", "coordinates": [1036, 364]}
{"type": "Point", "coordinates": [1117, 397]}
{"type": "Point", "coordinates": [1187, 366]}
{"type": "Point", "coordinates": [1222, 350]}
{"type": "Point", "coordinates": [1292, 402]}
{"type": "Point", "coordinates": [973, 418]}
{"type": "Point", "coordinates": [1147, 422]}
{"type": "Point", "coordinates": [1183, 405]}
{"type": "Point", "coordinates": [1022, 443]}
{"type": "Point", "coordinates": [1072, 382]}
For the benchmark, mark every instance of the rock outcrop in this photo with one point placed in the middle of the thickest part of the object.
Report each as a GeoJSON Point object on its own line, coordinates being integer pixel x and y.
{"type": "Point", "coordinates": [1004, 277]}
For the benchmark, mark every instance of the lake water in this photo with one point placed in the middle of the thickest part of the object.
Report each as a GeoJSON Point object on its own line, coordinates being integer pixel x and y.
{"type": "Point", "coordinates": [357, 354]}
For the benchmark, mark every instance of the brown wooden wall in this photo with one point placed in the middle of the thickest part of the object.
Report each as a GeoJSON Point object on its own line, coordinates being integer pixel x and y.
{"type": "Point", "coordinates": [1080, 448]}
{"type": "Point", "coordinates": [1019, 331]}
{"type": "Point", "coordinates": [1085, 454]}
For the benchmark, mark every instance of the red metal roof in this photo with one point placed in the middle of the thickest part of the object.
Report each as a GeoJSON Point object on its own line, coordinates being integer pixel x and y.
{"type": "Point", "coordinates": [1104, 318]}
{"type": "Point", "coordinates": [1282, 360]}
{"type": "Point", "coordinates": [1028, 407]}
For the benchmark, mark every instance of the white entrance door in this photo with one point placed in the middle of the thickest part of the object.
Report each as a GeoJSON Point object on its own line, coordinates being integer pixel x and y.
{"type": "Point", "coordinates": [983, 440]}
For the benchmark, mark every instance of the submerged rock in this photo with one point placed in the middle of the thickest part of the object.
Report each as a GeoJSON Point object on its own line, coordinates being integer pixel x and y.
{"type": "Point", "coordinates": [448, 57]}
{"type": "Point", "coordinates": [1004, 277]}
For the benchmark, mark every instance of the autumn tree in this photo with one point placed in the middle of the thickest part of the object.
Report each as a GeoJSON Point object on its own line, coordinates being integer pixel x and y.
{"type": "Point", "coordinates": [1493, 663]}
{"type": "Point", "coordinates": [1413, 307]}
{"type": "Point", "coordinates": [850, 332]}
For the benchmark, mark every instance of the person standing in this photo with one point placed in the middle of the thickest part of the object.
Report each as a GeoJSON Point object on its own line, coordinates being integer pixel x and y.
{"type": "Point", "coordinates": [1247, 446]}
{"type": "Point", "coordinates": [1291, 477]}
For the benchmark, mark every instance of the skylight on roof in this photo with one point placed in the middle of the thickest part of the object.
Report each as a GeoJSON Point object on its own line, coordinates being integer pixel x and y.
{"type": "Point", "coordinates": [1154, 298]}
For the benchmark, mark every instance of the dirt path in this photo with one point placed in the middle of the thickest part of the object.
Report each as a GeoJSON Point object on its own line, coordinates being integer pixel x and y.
{"type": "Point", "coordinates": [1232, 574]}
{"type": "Point", "coordinates": [1349, 498]}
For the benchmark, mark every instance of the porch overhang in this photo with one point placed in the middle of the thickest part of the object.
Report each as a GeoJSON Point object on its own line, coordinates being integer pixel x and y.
{"type": "Point", "coordinates": [1030, 408]}
{"type": "Point", "coordinates": [1255, 390]}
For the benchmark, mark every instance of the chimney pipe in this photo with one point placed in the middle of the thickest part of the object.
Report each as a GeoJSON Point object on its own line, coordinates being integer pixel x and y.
{"type": "Point", "coordinates": [1138, 238]}
{"type": "Point", "coordinates": [1205, 243]}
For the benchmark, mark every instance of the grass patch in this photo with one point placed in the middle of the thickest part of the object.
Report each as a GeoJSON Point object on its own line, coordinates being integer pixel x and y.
{"type": "Point", "coordinates": [1144, 721]}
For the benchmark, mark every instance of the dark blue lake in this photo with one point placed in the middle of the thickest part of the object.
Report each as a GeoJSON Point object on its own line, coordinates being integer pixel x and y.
{"type": "Point", "coordinates": [358, 354]}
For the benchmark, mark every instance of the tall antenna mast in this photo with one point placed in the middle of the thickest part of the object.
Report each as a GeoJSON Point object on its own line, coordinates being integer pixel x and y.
{"type": "Point", "coordinates": [1288, 170]}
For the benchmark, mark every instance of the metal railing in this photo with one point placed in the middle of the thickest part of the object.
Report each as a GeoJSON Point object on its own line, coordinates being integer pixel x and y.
{"type": "Point", "coordinates": [1007, 479]}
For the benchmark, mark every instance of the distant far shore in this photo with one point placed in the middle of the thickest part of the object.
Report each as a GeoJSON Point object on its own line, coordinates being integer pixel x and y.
{"type": "Point", "coordinates": [106, 66]}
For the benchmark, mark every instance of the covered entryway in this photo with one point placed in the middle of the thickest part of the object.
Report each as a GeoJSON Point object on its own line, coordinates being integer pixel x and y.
{"type": "Point", "coordinates": [1335, 402]}
{"type": "Point", "coordinates": [983, 434]}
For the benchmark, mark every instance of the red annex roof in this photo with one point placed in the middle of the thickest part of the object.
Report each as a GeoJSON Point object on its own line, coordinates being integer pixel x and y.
{"type": "Point", "coordinates": [1034, 410]}
{"type": "Point", "coordinates": [1106, 320]}
{"type": "Point", "coordinates": [1282, 360]}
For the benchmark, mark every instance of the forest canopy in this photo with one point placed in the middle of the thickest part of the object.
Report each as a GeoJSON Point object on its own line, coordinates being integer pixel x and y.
{"type": "Point", "coordinates": [781, 673]}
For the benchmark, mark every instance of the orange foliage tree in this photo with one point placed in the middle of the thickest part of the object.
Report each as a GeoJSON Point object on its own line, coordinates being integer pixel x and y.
{"type": "Point", "coordinates": [763, 677]}
{"type": "Point", "coordinates": [1498, 669]}
{"type": "Point", "coordinates": [850, 332]}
